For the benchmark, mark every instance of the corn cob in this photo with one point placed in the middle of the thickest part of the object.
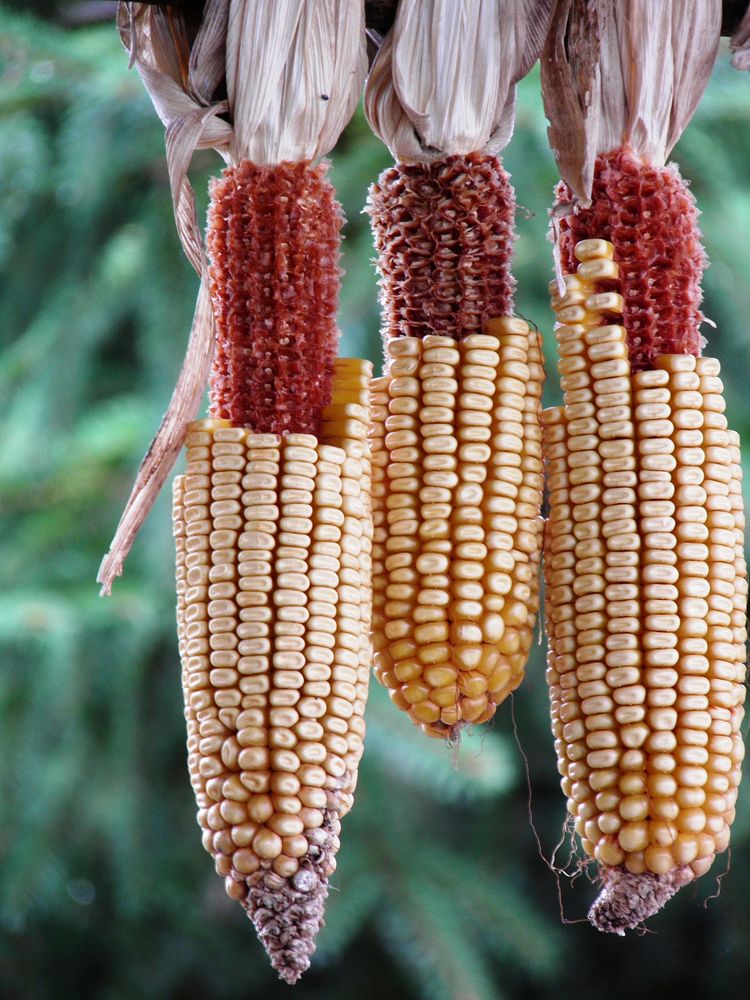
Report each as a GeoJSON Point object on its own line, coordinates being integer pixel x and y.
{"type": "Point", "coordinates": [646, 589]}
{"type": "Point", "coordinates": [275, 597]}
{"type": "Point", "coordinates": [456, 436]}
{"type": "Point", "coordinates": [273, 618]}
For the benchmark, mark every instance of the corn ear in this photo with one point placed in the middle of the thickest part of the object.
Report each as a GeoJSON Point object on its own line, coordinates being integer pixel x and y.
{"type": "Point", "coordinates": [273, 539]}
{"type": "Point", "coordinates": [646, 589]}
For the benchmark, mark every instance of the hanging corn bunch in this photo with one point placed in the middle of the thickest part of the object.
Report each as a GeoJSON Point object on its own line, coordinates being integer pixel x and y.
{"type": "Point", "coordinates": [272, 518]}
{"type": "Point", "coordinates": [457, 470]}
{"type": "Point", "coordinates": [646, 584]}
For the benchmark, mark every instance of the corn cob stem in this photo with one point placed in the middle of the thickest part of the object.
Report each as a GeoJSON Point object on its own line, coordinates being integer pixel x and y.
{"type": "Point", "coordinates": [646, 591]}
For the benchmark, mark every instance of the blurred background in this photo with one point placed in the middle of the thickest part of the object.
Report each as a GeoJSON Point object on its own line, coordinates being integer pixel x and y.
{"type": "Point", "coordinates": [105, 890]}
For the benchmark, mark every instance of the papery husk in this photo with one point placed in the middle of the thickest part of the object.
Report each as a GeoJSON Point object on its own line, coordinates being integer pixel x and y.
{"type": "Point", "coordinates": [620, 74]}
{"type": "Point", "coordinates": [425, 96]}
{"type": "Point", "coordinates": [740, 43]}
{"type": "Point", "coordinates": [291, 97]}
{"type": "Point", "coordinates": [259, 81]}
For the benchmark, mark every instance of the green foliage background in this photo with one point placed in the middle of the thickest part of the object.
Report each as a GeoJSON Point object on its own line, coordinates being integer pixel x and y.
{"type": "Point", "coordinates": [105, 890]}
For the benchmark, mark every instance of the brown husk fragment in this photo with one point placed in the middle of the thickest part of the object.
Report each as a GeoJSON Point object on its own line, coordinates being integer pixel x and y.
{"type": "Point", "coordinates": [598, 96]}
{"type": "Point", "coordinates": [626, 900]}
{"type": "Point", "coordinates": [651, 217]}
{"type": "Point", "coordinates": [740, 43]}
{"type": "Point", "coordinates": [273, 242]}
{"type": "Point", "coordinates": [444, 233]}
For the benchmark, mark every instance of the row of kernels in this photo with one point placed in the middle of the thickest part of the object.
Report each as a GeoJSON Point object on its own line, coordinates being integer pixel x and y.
{"type": "Point", "coordinates": [379, 491]}
{"type": "Point", "coordinates": [202, 713]}
{"type": "Point", "coordinates": [347, 417]}
{"type": "Point", "coordinates": [522, 605]}
{"type": "Point", "coordinates": [584, 509]}
{"type": "Point", "coordinates": [353, 652]}
{"type": "Point", "coordinates": [726, 633]}
{"type": "Point", "coordinates": [607, 660]}
{"type": "Point", "coordinates": [350, 669]}
{"type": "Point", "coordinates": [559, 572]}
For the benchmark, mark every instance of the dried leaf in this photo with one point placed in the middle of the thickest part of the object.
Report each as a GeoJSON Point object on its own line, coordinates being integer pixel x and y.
{"type": "Point", "coordinates": [624, 74]}
{"type": "Point", "coordinates": [425, 97]}
{"type": "Point", "coordinates": [164, 449]}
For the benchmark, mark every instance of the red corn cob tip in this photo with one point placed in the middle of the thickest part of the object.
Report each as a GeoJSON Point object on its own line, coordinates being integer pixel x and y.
{"type": "Point", "coordinates": [651, 217]}
{"type": "Point", "coordinates": [273, 241]}
{"type": "Point", "coordinates": [444, 234]}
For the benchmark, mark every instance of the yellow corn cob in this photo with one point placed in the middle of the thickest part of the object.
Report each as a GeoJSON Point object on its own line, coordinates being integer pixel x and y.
{"type": "Point", "coordinates": [273, 537]}
{"type": "Point", "coordinates": [457, 481]}
{"type": "Point", "coordinates": [646, 588]}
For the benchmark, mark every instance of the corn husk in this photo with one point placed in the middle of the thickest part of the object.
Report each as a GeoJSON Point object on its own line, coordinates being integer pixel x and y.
{"type": "Point", "coordinates": [620, 73]}
{"type": "Point", "coordinates": [425, 97]}
{"type": "Point", "coordinates": [740, 43]}
{"type": "Point", "coordinates": [266, 82]}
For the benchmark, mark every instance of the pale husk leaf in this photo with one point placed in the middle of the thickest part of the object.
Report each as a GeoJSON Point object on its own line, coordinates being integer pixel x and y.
{"type": "Point", "coordinates": [443, 80]}
{"type": "Point", "coordinates": [291, 95]}
{"type": "Point", "coordinates": [624, 74]}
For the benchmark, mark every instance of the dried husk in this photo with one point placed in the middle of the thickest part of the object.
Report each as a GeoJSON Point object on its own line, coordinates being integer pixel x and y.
{"type": "Point", "coordinates": [740, 43]}
{"type": "Point", "coordinates": [291, 96]}
{"type": "Point", "coordinates": [266, 82]}
{"type": "Point", "coordinates": [425, 97]}
{"type": "Point", "coordinates": [624, 74]}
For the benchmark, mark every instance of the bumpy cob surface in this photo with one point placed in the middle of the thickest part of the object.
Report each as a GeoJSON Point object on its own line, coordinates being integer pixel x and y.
{"type": "Point", "coordinates": [646, 590]}
{"type": "Point", "coordinates": [650, 216]}
{"type": "Point", "coordinates": [456, 441]}
{"type": "Point", "coordinates": [273, 531]}
{"type": "Point", "coordinates": [288, 218]}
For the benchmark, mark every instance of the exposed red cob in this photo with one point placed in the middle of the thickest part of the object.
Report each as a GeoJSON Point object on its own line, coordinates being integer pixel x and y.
{"type": "Point", "coordinates": [651, 217]}
{"type": "Point", "coordinates": [273, 240]}
{"type": "Point", "coordinates": [444, 234]}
